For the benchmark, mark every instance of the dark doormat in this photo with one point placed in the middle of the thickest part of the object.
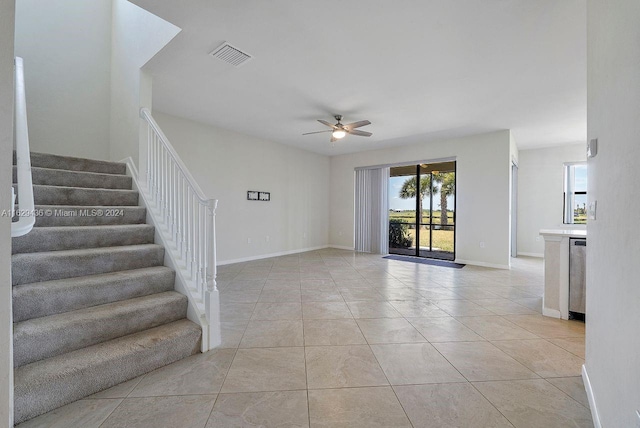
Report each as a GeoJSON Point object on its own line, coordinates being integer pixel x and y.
{"type": "Point", "coordinates": [433, 262]}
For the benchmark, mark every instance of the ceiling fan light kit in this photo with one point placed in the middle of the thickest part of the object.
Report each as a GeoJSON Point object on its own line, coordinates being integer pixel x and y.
{"type": "Point", "coordinates": [339, 131]}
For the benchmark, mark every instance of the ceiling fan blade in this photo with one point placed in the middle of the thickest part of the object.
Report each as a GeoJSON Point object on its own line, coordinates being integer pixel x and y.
{"type": "Point", "coordinates": [357, 124]}
{"type": "Point", "coordinates": [360, 133]}
{"type": "Point", "coordinates": [324, 122]}
{"type": "Point", "coordinates": [317, 132]}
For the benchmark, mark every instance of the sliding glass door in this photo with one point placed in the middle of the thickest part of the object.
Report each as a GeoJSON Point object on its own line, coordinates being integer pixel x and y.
{"type": "Point", "coordinates": [422, 210]}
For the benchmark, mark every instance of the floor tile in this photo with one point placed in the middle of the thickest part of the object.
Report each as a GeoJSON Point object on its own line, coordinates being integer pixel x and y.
{"type": "Point", "coordinates": [389, 330]}
{"type": "Point", "coordinates": [311, 295]}
{"type": "Point", "coordinates": [461, 308]}
{"type": "Point", "coordinates": [231, 332]}
{"type": "Point", "coordinates": [332, 332]}
{"type": "Point", "coordinates": [197, 374]}
{"type": "Point", "coordinates": [548, 327]}
{"type": "Point", "coordinates": [119, 391]}
{"type": "Point", "coordinates": [356, 408]}
{"type": "Point", "coordinates": [238, 285]}
{"type": "Point", "coordinates": [533, 303]}
{"type": "Point", "coordinates": [406, 364]}
{"type": "Point", "coordinates": [236, 311]}
{"type": "Point", "coordinates": [279, 296]}
{"type": "Point", "coordinates": [277, 311]}
{"type": "Point", "coordinates": [260, 409]}
{"type": "Point", "coordinates": [418, 308]}
{"type": "Point", "coordinates": [496, 328]}
{"type": "Point", "coordinates": [271, 334]}
{"type": "Point", "coordinates": [444, 329]}
{"type": "Point", "coordinates": [504, 307]}
{"type": "Point", "coordinates": [481, 361]}
{"type": "Point", "coordinates": [400, 294]}
{"type": "Point", "coordinates": [189, 411]}
{"type": "Point", "coordinates": [352, 283]}
{"type": "Point", "coordinates": [356, 294]}
{"type": "Point", "coordinates": [449, 405]}
{"type": "Point", "coordinates": [342, 366]}
{"type": "Point", "coordinates": [83, 413]}
{"type": "Point", "coordinates": [535, 404]}
{"type": "Point", "coordinates": [281, 284]}
{"type": "Point", "coordinates": [266, 369]}
{"type": "Point", "coordinates": [438, 293]}
{"type": "Point", "coordinates": [474, 293]}
{"type": "Point", "coordinates": [573, 387]}
{"type": "Point", "coordinates": [318, 284]}
{"type": "Point", "coordinates": [368, 309]}
{"type": "Point", "coordinates": [239, 296]}
{"type": "Point", "coordinates": [575, 345]}
{"type": "Point", "coordinates": [325, 310]}
{"type": "Point", "coordinates": [544, 358]}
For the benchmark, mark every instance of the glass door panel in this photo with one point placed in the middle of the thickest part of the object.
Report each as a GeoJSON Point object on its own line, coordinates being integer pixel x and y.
{"type": "Point", "coordinates": [402, 210]}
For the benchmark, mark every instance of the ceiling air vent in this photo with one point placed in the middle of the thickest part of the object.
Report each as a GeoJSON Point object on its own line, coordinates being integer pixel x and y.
{"type": "Point", "coordinates": [230, 54]}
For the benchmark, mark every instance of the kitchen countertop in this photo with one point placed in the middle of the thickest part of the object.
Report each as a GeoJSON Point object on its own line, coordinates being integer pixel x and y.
{"type": "Point", "coordinates": [574, 233]}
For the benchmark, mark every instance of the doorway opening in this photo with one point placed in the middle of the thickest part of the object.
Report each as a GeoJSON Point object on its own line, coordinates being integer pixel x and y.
{"type": "Point", "coordinates": [422, 210]}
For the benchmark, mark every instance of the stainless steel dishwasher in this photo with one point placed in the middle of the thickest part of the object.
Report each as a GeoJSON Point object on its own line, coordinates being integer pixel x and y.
{"type": "Point", "coordinates": [577, 275]}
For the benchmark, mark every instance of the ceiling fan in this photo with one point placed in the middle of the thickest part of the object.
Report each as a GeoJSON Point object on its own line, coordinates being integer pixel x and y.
{"type": "Point", "coordinates": [339, 130]}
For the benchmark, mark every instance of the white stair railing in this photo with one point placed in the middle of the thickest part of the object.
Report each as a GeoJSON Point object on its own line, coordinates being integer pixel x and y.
{"type": "Point", "coordinates": [188, 221]}
{"type": "Point", "coordinates": [26, 211]}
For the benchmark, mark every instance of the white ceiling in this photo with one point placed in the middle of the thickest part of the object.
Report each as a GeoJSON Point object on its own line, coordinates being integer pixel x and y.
{"type": "Point", "coordinates": [419, 70]}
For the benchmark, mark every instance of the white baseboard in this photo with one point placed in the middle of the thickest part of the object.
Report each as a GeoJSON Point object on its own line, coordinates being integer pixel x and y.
{"type": "Point", "coordinates": [482, 264]}
{"type": "Point", "coordinates": [342, 247]}
{"type": "Point", "coordinates": [538, 255]}
{"type": "Point", "coordinates": [554, 313]}
{"type": "Point", "coordinates": [592, 400]}
{"type": "Point", "coordinates": [267, 256]}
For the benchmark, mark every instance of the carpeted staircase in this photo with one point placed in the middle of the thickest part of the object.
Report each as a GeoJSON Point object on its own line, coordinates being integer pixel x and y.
{"type": "Point", "coordinates": [93, 305]}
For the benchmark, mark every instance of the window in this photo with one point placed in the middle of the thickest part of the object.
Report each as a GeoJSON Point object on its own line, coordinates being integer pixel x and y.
{"type": "Point", "coordinates": [575, 193]}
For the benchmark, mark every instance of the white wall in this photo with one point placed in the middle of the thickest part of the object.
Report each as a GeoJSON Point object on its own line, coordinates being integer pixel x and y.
{"type": "Point", "coordinates": [137, 35]}
{"type": "Point", "coordinates": [6, 149]}
{"type": "Point", "coordinates": [227, 164]}
{"type": "Point", "coordinates": [541, 193]}
{"type": "Point", "coordinates": [613, 251]}
{"type": "Point", "coordinates": [482, 200]}
{"type": "Point", "coordinates": [66, 49]}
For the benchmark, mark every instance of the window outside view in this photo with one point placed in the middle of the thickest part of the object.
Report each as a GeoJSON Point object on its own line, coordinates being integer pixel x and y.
{"type": "Point", "coordinates": [575, 193]}
{"type": "Point", "coordinates": [422, 211]}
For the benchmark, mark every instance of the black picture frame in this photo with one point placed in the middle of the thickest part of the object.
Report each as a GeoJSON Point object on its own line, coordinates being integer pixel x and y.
{"type": "Point", "coordinates": [253, 195]}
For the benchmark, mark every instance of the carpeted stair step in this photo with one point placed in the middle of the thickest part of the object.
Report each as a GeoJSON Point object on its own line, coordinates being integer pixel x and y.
{"type": "Point", "coordinates": [62, 177]}
{"type": "Point", "coordinates": [75, 237]}
{"type": "Point", "coordinates": [61, 195]}
{"type": "Point", "coordinates": [46, 266]}
{"type": "Point", "coordinates": [65, 215]}
{"type": "Point", "coordinates": [54, 382]}
{"type": "Point", "coordinates": [46, 337]}
{"type": "Point", "coordinates": [44, 160]}
{"type": "Point", "coordinates": [46, 298]}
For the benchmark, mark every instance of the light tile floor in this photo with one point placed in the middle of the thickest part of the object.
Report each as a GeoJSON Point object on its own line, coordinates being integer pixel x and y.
{"type": "Point", "coordinates": [333, 338]}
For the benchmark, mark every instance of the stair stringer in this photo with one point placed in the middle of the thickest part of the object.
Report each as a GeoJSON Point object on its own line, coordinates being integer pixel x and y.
{"type": "Point", "coordinates": [196, 308]}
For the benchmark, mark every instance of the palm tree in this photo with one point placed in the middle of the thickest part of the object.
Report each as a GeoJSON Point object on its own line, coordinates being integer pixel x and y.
{"type": "Point", "coordinates": [447, 181]}
{"type": "Point", "coordinates": [409, 191]}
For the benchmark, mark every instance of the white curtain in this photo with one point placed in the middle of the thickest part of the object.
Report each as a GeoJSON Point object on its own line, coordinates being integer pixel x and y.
{"type": "Point", "coordinates": [372, 210]}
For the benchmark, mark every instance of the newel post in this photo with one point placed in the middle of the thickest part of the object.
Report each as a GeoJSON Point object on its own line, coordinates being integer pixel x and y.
{"type": "Point", "coordinates": [212, 300]}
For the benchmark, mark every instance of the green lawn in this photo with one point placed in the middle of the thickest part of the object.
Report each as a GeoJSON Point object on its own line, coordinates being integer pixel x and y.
{"type": "Point", "coordinates": [442, 239]}
{"type": "Point", "coordinates": [410, 216]}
